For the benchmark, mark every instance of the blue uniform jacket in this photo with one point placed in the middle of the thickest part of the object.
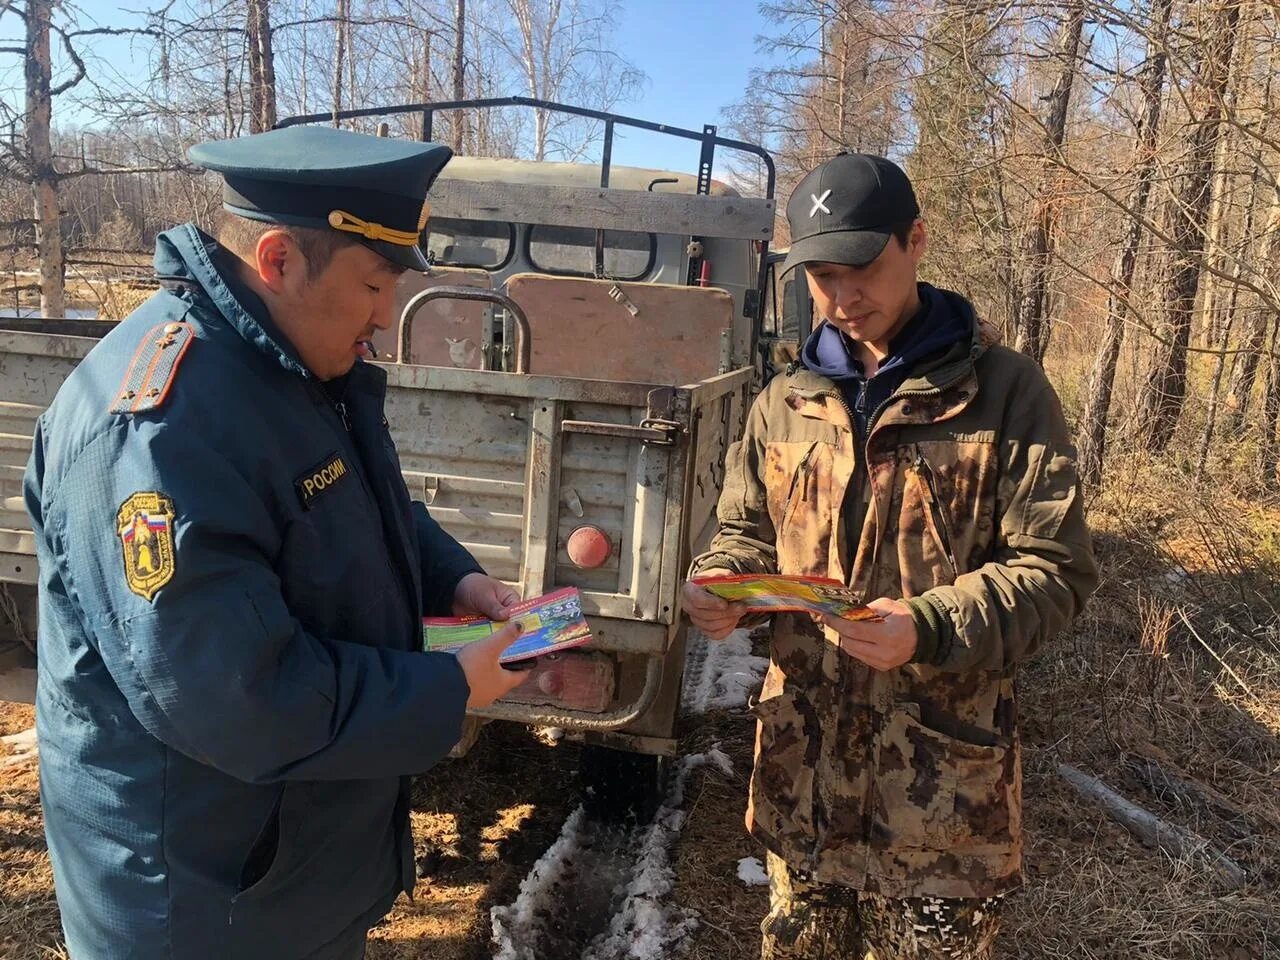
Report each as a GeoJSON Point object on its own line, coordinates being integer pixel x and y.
{"type": "Point", "coordinates": [230, 589]}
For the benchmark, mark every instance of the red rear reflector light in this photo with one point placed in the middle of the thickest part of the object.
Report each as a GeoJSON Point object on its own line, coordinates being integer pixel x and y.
{"type": "Point", "coordinates": [589, 547]}
{"type": "Point", "coordinates": [574, 679]}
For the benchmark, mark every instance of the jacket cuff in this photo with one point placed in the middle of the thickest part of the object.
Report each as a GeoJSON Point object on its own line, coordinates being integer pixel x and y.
{"type": "Point", "coordinates": [934, 631]}
{"type": "Point", "coordinates": [440, 604]}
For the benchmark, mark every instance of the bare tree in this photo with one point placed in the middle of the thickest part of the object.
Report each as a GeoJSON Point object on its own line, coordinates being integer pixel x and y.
{"type": "Point", "coordinates": [561, 47]}
{"type": "Point", "coordinates": [459, 72]}
{"type": "Point", "coordinates": [1092, 437]}
{"type": "Point", "coordinates": [44, 177]}
{"type": "Point", "coordinates": [1031, 306]}
{"type": "Point", "coordinates": [262, 71]}
{"type": "Point", "coordinates": [1164, 388]}
{"type": "Point", "coordinates": [341, 49]}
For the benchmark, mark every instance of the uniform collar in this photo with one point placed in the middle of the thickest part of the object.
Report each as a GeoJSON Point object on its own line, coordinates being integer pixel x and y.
{"type": "Point", "coordinates": [187, 255]}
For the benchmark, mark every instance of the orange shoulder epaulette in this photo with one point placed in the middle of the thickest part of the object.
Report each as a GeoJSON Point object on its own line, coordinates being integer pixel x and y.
{"type": "Point", "coordinates": [154, 368]}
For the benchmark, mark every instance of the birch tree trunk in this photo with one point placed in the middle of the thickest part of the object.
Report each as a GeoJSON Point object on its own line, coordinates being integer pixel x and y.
{"type": "Point", "coordinates": [262, 70]}
{"type": "Point", "coordinates": [44, 178]}
{"type": "Point", "coordinates": [342, 42]}
{"type": "Point", "coordinates": [1092, 439]}
{"type": "Point", "coordinates": [1030, 320]}
{"type": "Point", "coordinates": [1164, 387]}
{"type": "Point", "coordinates": [422, 86]}
{"type": "Point", "coordinates": [459, 75]}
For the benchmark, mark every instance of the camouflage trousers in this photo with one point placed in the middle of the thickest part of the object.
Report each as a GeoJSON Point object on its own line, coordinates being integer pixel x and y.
{"type": "Point", "coordinates": [818, 921]}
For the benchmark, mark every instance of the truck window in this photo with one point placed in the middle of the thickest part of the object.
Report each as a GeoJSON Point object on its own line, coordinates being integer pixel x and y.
{"type": "Point", "coordinates": [469, 243]}
{"type": "Point", "coordinates": [572, 251]}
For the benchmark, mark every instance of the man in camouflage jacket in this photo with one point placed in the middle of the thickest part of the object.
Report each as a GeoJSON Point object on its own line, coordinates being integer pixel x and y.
{"type": "Point", "coordinates": [907, 455]}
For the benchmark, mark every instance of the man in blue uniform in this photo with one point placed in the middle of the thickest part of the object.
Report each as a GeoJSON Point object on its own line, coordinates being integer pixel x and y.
{"type": "Point", "coordinates": [232, 577]}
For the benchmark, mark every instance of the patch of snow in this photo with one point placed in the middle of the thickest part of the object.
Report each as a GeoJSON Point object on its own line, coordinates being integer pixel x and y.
{"type": "Point", "coordinates": [647, 927]}
{"type": "Point", "coordinates": [720, 674]}
{"type": "Point", "coordinates": [513, 923]}
{"type": "Point", "coordinates": [22, 747]}
{"type": "Point", "coordinates": [751, 872]}
{"type": "Point", "coordinates": [644, 924]}
{"type": "Point", "coordinates": [70, 313]}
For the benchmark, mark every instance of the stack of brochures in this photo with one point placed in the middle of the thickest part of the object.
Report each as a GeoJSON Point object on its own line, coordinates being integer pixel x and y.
{"type": "Point", "coordinates": [779, 594]}
{"type": "Point", "coordinates": [551, 622]}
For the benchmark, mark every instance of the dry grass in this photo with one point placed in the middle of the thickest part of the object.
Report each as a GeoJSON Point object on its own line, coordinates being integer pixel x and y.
{"type": "Point", "coordinates": [1131, 680]}
{"type": "Point", "coordinates": [1176, 661]}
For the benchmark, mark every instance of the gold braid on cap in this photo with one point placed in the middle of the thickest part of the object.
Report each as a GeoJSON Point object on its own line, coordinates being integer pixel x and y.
{"type": "Point", "coordinates": [350, 223]}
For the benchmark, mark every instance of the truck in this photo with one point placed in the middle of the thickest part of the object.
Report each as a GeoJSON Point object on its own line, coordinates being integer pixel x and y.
{"type": "Point", "coordinates": [563, 386]}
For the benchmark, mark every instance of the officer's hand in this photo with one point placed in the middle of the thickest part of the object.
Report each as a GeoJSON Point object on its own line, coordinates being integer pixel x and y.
{"type": "Point", "coordinates": [883, 644]}
{"type": "Point", "coordinates": [479, 595]}
{"type": "Point", "coordinates": [488, 680]}
{"type": "Point", "coordinates": [714, 616]}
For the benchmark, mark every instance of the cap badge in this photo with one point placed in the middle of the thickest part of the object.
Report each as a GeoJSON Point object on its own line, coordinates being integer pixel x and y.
{"type": "Point", "coordinates": [819, 203]}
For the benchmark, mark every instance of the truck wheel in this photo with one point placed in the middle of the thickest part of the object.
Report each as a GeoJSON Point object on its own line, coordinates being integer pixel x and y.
{"type": "Point", "coordinates": [619, 787]}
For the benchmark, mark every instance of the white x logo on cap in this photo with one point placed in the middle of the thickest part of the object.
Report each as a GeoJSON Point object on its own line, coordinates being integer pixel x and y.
{"type": "Point", "coordinates": [819, 203]}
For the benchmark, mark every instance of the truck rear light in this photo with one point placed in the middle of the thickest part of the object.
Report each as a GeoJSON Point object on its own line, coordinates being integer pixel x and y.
{"type": "Point", "coordinates": [589, 547]}
{"type": "Point", "coordinates": [573, 679]}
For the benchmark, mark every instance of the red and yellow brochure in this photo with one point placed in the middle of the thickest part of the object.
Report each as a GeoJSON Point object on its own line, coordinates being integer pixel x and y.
{"type": "Point", "coordinates": [551, 622]}
{"type": "Point", "coordinates": [773, 593]}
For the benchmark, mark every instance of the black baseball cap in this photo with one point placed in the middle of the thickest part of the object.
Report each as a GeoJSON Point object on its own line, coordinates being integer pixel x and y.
{"type": "Point", "coordinates": [845, 210]}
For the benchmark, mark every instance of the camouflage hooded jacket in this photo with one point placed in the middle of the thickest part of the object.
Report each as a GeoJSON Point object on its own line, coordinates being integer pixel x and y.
{"type": "Point", "coordinates": [906, 782]}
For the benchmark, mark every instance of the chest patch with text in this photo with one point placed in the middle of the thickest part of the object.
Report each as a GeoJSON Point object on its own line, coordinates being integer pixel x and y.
{"type": "Point", "coordinates": [320, 480]}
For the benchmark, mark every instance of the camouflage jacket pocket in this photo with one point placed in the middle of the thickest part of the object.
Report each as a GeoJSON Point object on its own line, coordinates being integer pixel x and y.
{"type": "Point", "coordinates": [934, 792]}
{"type": "Point", "coordinates": [782, 783]}
{"type": "Point", "coordinates": [799, 497]}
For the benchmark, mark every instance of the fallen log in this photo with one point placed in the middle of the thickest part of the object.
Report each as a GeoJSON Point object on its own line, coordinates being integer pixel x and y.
{"type": "Point", "coordinates": [1150, 829]}
{"type": "Point", "coordinates": [1195, 798]}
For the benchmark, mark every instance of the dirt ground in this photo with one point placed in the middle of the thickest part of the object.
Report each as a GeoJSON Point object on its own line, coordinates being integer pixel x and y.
{"type": "Point", "coordinates": [1129, 686]}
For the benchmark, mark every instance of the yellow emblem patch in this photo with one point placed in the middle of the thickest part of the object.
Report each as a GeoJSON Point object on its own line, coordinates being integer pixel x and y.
{"type": "Point", "coordinates": [145, 525]}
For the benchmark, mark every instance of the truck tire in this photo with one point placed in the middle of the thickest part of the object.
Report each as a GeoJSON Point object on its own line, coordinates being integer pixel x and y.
{"type": "Point", "coordinates": [619, 787]}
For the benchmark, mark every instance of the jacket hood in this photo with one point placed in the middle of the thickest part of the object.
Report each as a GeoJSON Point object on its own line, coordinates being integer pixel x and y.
{"type": "Point", "coordinates": [944, 319]}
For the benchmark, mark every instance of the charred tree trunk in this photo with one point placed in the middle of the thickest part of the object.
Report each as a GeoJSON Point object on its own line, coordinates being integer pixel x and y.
{"type": "Point", "coordinates": [1030, 320]}
{"type": "Point", "coordinates": [1164, 388]}
{"type": "Point", "coordinates": [44, 178]}
{"type": "Point", "coordinates": [1092, 439]}
{"type": "Point", "coordinates": [459, 73]}
{"type": "Point", "coordinates": [262, 70]}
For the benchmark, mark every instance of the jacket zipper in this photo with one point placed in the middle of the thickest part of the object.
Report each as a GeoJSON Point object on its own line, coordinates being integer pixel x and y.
{"type": "Point", "coordinates": [935, 508]}
{"type": "Point", "coordinates": [341, 409]}
{"type": "Point", "coordinates": [801, 478]}
{"type": "Point", "coordinates": [873, 732]}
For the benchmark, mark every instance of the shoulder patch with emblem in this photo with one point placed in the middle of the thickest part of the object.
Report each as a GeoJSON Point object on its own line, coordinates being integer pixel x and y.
{"type": "Point", "coordinates": [153, 369]}
{"type": "Point", "coordinates": [144, 524]}
{"type": "Point", "coordinates": [320, 479]}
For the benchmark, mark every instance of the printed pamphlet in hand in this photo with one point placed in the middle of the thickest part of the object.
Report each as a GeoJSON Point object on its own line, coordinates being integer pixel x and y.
{"type": "Point", "coordinates": [773, 593]}
{"type": "Point", "coordinates": [551, 622]}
